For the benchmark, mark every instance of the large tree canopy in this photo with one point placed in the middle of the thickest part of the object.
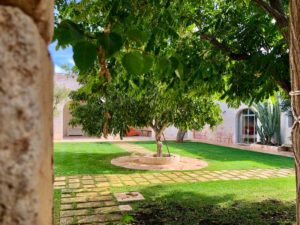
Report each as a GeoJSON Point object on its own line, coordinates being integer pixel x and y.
{"type": "Point", "coordinates": [251, 42]}
{"type": "Point", "coordinates": [242, 47]}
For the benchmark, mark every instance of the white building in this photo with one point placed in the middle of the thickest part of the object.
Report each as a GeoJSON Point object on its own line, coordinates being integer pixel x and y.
{"type": "Point", "coordinates": [239, 125]}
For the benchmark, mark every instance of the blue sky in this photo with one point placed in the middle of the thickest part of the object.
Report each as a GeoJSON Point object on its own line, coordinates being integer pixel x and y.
{"type": "Point", "coordinates": [61, 57]}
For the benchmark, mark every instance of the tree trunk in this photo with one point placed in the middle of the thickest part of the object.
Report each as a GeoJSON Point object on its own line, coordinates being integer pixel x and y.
{"type": "Point", "coordinates": [180, 135]}
{"type": "Point", "coordinates": [294, 46]}
{"type": "Point", "coordinates": [158, 143]}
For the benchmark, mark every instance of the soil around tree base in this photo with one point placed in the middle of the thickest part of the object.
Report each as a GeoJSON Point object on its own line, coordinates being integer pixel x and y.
{"type": "Point", "coordinates": [185, 163]}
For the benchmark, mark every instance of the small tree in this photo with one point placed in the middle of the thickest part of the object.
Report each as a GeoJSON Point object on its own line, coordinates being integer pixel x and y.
{"type": "Point", "coordinates": [268, 114]}
{"type": "Point", "coordinates": [104, 107]}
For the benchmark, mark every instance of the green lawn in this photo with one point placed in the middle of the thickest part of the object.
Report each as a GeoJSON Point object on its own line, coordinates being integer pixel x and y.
{"type": "Point", "coordinates": [253, 202]}
{"type": "Point", "coordinates": [221, 192]}
{"type": "Point", "coordinates": [94, 158]}
{"type": "Point", "coordinates": [86, 158]}
{"type": "Point", "coordinates": [224, 158]}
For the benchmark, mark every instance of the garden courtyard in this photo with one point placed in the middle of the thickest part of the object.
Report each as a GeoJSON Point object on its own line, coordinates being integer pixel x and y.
{"type": "Point", "coordinates": [236, 187]}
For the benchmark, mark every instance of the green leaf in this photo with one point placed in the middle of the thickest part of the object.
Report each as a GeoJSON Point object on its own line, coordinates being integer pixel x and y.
{"type": "Point", "coordinates": [148, 63]}
{"type": "Point", "coordinates": [176, 66]}
{"type": "Point", "coordinates": [133, 63]}
{"type": "Point", "coordinates": [85, 55]}
{"type": "Point", "coordinates": [247, 2]}
{"type": "Point", "coordinates": [174, 62]}
{"type": "Point", "coordinates": [138, 36]}
{"type": "Point", "coordinates": [179, 70]}
{"type": "Point", "coordinates": [163, 64]}
{"type": "Point", "coordinates": [67, 32]}
{"type": "Point", "coordinates": [111, 42]}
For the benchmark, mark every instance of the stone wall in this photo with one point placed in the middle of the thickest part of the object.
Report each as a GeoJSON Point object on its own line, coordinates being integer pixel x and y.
{"type": "Point", "coordinates": [26, 84]}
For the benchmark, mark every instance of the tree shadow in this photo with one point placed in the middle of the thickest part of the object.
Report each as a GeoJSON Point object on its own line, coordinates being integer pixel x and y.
{"type": "Point", "coordinates": [189, 208]}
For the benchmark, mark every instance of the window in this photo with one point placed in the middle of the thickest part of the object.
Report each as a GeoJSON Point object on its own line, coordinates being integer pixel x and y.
{"type": "Point", "coordinates": [247, 127]}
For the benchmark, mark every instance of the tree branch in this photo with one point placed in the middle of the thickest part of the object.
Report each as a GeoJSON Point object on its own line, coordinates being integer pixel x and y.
{"type": "Point", "coordinates": [276, 10]}
{"type": "Point", "coordinates": [284, 84]}
{"type": "Point", "coordinates": [225, 49]}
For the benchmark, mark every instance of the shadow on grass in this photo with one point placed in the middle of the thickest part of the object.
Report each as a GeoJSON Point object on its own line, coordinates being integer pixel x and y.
{"type": "Point", "coordinates": [218, 155]}
{"type": "Point", "coordinates": [187, 208]}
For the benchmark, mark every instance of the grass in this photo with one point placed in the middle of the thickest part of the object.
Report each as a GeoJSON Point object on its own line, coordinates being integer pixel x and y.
{"type": "Point", "coordinates": [94, 158]}
{"type": "Point", "coordinates": [86, 158]}
{"type": "Point", "coordinates": [239, 213]}
{"type": "Point", "coordinates": [221, 192]}
{"type": "Point", "coordinates": [260, 201]}
{"type": "Point", "coordinates": [56, 206]}
{"type": "Point", "coordinates": [263, 201]}
{"type": "Point", "coordinates": [224, 158]}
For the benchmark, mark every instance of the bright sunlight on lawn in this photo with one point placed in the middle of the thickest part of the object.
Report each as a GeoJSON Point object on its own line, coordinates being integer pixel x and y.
{"type": "Point", "coordinates": [224, 158]}
{"type": "Point", "coordinates": [94, 158]}
{"type": "Point", "coordinates": [86, 158]}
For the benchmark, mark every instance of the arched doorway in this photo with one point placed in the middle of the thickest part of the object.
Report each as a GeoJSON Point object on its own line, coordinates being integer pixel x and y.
{"type": "Point", "coordinates": [69, 130]}
{"type": "Point", "coordinates": [247, 127]}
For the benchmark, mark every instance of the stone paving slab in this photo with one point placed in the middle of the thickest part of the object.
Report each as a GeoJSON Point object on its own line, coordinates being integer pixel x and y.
{"type": "Point", "coordinates": [98, 218]}
{"type": "Point", "coordinates": [129, 196]}
{"type": "Point", "coordinates": [121, 180]}
{"type": "Point", "coordinates": [86, 199]}
{"type": "Point", "coordinates": [89, 211]}
{"type": "Point", "coordinates": [90, 206]}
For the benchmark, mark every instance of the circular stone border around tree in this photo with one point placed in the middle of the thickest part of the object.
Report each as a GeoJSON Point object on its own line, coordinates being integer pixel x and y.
{"type": "Point", "coordinates": [135, 162]}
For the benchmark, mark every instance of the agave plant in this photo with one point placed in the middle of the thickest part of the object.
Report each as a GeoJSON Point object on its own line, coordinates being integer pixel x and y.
{"type": "Point", "coordinates": [268, 114]}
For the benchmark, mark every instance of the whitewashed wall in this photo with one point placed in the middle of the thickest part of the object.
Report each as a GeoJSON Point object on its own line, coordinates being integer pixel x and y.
{"type": "Point", "coordinates": [286, 129]}
{"type": "Point", "coordinates": [230, 127]}
{"type": "Point", "coordinates": [62, 80]}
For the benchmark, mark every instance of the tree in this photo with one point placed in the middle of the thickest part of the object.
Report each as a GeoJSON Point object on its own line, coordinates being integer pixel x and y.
{"type": "Point", "coordinates": [294, 34]}
{"type": "Point", "coordinates": [154, 40]}
{"type": "Point", "coordinates": [123, 25]}
{"type": "Point", "coordinates": [180, 135]}
{"type": "Point", "coordinates": [248, 41]}
{"type": "Point", "coordinates": [147, 102]}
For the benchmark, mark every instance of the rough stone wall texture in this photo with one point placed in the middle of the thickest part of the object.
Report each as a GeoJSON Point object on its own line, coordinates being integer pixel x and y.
{"type": "Point", "coordinates": [41, 11]}
{"type": "Point", "coordinates": [26, 84]}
